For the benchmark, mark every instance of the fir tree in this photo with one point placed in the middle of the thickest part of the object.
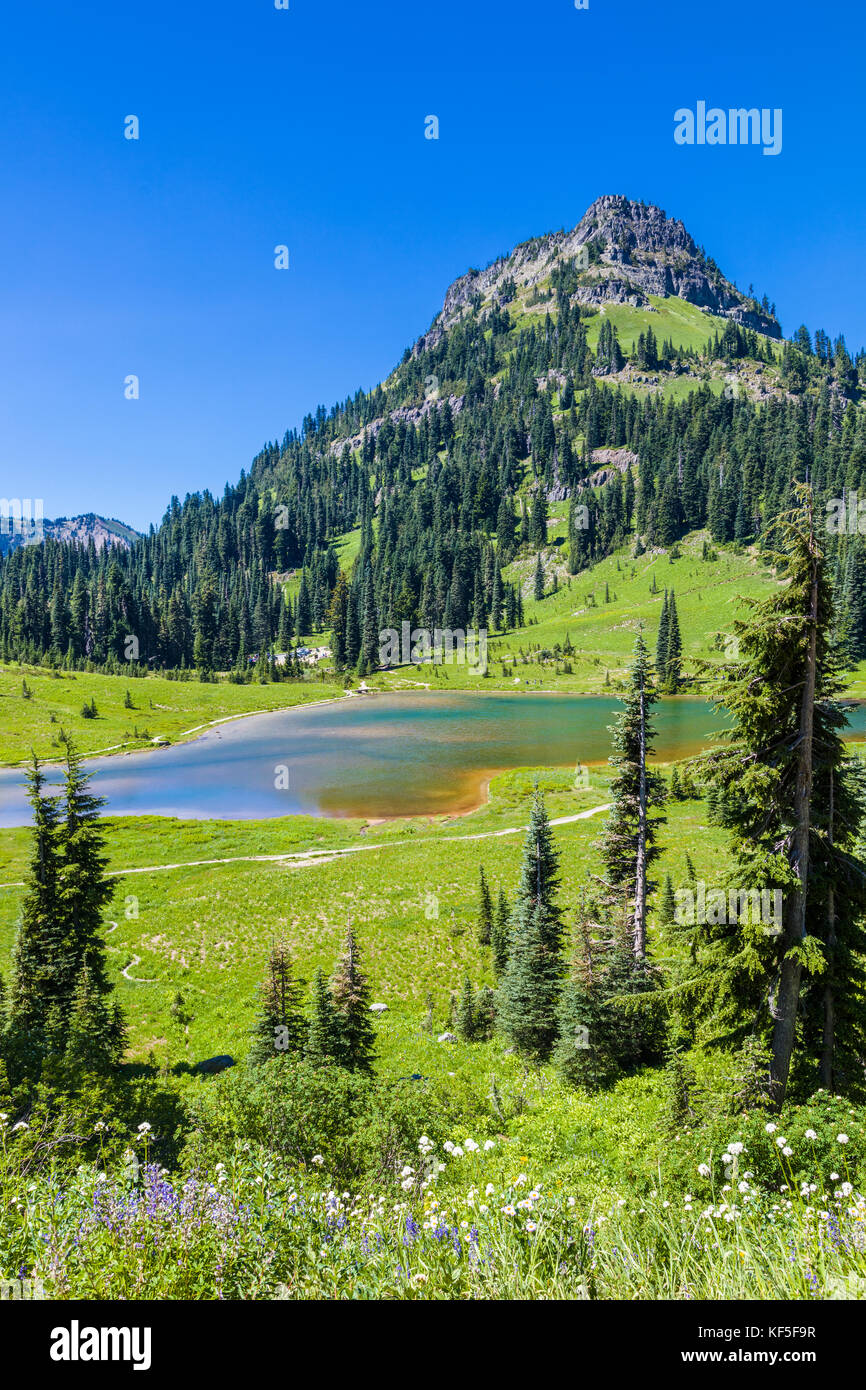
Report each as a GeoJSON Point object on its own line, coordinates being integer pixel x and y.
{"type": "Point", "coordinates": [628, 845]}
{"type": "Point", "coordinates": [485, 911]}
{"type": "Point", "coordinates": [83, 889]}
{"type": "Point", "coordinates": [662, 641]}
{"type": "Point", "coordinates": [794, 808]}
{"type": "Point", "coordinates": [529, 989]}
{"type": "Point", "coordinates": [324, 1036]}
{"type": "Point", "coordinates": [280, 1026]}
{"type": "Point", "coordinates": [674, 651]}
{"type": "Point", "coordinates": [529, 992]}
{"type": "Point", "coordinates": [40, 969]}
{"type": "Point", "coordinates": [466, 1021]}
{"type": "Point", "coordinates": [350, 993]}
{"type": "Point", "coordinates": [539, 578]}
{"type": "Point", "coordinates": [95, 1034]}
{"type": "Point", "coordinates": [499, 934]}
{"type": "Point", "coordinates": [667, 912]}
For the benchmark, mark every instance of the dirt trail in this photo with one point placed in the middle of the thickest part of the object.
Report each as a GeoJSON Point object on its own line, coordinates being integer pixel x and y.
{"type": "Point", "coordinates": [298, 858]}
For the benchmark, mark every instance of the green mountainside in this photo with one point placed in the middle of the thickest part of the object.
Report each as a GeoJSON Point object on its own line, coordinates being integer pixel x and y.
{"type": "Point", "coordinates": [600, 392]}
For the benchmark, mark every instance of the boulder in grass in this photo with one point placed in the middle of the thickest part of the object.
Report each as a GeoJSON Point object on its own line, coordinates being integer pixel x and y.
{"type": "Point", "coordinates": [378, 1008]}
{"type": "Point", "coordinates": [447, 1037]}
{"type": "Point", "coordinates": [211, 1065]}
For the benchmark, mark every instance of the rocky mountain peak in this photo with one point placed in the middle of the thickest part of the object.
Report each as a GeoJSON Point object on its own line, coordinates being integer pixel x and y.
{"type": "Point", "coordinates": [621, 252]}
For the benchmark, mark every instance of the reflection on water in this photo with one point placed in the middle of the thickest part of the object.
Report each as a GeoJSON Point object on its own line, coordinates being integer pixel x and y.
{"type": "Point", "coordinates": [389, 755]}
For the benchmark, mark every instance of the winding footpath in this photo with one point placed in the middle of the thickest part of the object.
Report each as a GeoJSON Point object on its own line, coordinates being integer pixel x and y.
{"type": "Point", "coordinates": [300, 858]}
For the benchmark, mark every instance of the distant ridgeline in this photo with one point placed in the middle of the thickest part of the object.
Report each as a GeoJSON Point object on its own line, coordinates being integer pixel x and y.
{"type": "Point", "coordinates": [445, 472]}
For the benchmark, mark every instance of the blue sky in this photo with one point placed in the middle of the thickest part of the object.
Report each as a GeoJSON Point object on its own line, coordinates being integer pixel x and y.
{"type": "Point", "coordinates": [306, 127]}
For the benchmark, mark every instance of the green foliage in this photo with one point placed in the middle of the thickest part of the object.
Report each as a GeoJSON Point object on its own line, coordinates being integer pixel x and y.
{"type": "Point", "coordinates": [280, 1024]}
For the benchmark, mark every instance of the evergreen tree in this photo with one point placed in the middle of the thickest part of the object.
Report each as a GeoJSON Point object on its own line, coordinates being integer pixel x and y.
{"type": "Point", "coordinates": [95, 1035]}
{"type": "Point", "coordinates": [499, 934]}
{"type": "Point", "coordinates": [853, 606]}
{"type": "Point", "coordinates": [466, 1023]}
{"type": "Point", "coordinates": [350, 993]}
{"type": "Point", "coordinates": [667, 913]}
{"type": "Point", "coordinates": [794, 808]}
{"type": "Point", "coordinates": [529, 989]}
{"type": "Point", "coordinates": [662, 641]}
{"type": "Point", "coordinates": [628, 845]}
{"type": "Point", "coordinates": [324, 1036]}
{"type": "Point", "coordinates": [539, 578]}
{"type": "Point", "coordinates": [368, 660]}
{"type": "Point", "coordinates": [485, 910]}
{"type": "Point", "coordinates": [674, 652]}
{"type": "Point", "coordinates": [280, 1026]}
{"type": "Point", "coordinates": [586, 1049]}
{"type": "Point", "coordinates": [40, 969]}
{"type": "Point", "coordinates": [83, 890]}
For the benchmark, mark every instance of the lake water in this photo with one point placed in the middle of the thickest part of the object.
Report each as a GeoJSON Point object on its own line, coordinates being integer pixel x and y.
{"type": "Point", "coordinates": [374, 756]}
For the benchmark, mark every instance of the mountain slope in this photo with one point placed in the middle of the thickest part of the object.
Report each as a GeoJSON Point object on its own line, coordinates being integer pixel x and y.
{"type": "Point", "coordinates": [559, 410]}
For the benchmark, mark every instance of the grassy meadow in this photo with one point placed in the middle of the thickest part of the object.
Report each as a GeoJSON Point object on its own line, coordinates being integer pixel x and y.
{"type": "Point", "coordinates": [459, 1172]}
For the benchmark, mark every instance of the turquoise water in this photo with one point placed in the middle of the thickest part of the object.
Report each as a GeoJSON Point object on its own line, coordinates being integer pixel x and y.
{"type": "Point", "coordinates": [374, 756]}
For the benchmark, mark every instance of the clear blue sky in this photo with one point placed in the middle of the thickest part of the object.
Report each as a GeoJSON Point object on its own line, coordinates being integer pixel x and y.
{"type": "Point", "coordinates": [306, 127]}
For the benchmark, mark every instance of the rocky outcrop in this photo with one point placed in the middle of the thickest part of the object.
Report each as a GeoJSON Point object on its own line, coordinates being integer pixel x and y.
{"type": "Point", "coordinates": [622, 252]}
{"type": "Point", "coordinates": [81, 529]}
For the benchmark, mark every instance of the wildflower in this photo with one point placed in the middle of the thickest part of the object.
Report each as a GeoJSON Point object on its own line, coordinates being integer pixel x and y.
{"type": "Point", "coordinates": [488, 1145]}
{"type": "Point", "coordinates": [787, 1151]}
{"type": "Point", "coordinates": [317, 1159]}
{"type": "Point", "coordinates": [457, 1151]}
{"type": "Point", "coordinates": [781, 1141]}
{"type": "Point", "coordinates": [489, 1190]}
{"type": "Point", "coordinates": [834, 1177]}
{"type": "Point", "coordinates": [571, 1201]}
{"type": "Point", "coordinates": [509, 1210]}
{"type": "Point", "coordinates": [100, 1125]}
{"type": "Point", "coordinates": [810, 1134]}
{"type": "Point", "coordinates": [736, 1148]}
{"type": "Point", "coordinates": [841, 1138]}
{"type": "Point", "coordinates": [448, 1146]}
{"type": "Point", "coordinates": [520, 1180]}
{"type": "Point", "coordinates": [407, 1172]}
{"type": "Point", "coordinates": [470, 1145]}
{"type": "Point", "coordinates": [771, 1128]}
{"type": "Point", "coordinates": [144, 1128]}
{"type": "Point", "coordinates": [484, 1210]}
{"type": "Point", "coordinates": [530, 1226]}
{"type": "Point", "coordinates": [20, 1125]}
{"type": "Point", "coordinates": [704, 1170]}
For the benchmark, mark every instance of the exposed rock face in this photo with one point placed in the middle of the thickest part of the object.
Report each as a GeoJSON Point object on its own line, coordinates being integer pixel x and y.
{"type": "Point", "coordinates": [624, 252]}
{"type": "Point", "coordinates": [412, 414]}
{"type": "Point", "coordinates": [81, 529]}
